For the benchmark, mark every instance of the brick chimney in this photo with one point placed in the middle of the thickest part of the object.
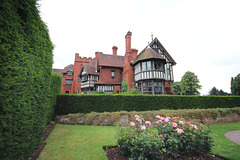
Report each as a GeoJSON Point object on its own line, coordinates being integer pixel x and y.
{"type": "Point", "coordinates": [134, 52]}
{"type": "Point", "coordinates": [114, 48]}
{"type": "Point", "coordinates": [128, 41]}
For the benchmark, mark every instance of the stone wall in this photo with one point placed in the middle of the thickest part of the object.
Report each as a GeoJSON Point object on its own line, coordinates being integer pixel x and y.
{"type": "Point", "coordinates": [205, 116]}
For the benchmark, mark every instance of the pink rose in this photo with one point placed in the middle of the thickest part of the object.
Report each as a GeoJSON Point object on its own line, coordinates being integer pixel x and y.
{"type": "Point", "coordinates": [162, 118]}
{"type": "Point", "coordinates": [191, 125]}
{"type": "Point", "coordinates": [179, 130]}
{"type": "Point", "coordinates": [158, 117]}
{"type": "Point", "coordinates": [181, 122]}
{"type": "Point", "coordinates": [148, 122]}
{"type": "Point", "coordinates": [143, 127]}
{"type": "Point", "coordinates": [157, 122]}
{"type": "Point", "coordinates": [132, 124]}
{"type": "Point", "coordinates": [139, 119]}
{"type": "Point", "coordinates": [174, 124]}
{"type": "Point", "coordinates": [166, 120]}
{"type": "Point", "coordinates": [136, 116]}
{"type": "Point", "coordinates": [174, 117]}
{"type": "Point", "coordinates": [195, 127]}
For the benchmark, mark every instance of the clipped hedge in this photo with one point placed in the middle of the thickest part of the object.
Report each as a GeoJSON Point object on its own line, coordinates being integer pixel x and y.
{"type": "Point", "coordinates": [25, 78]}
{"type": "Point", "coordinates": [116, 102]}
{"type": "Point", "coordinates": [56, 83]}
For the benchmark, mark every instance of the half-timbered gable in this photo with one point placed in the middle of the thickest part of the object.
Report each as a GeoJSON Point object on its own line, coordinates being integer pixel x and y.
{"type": "Point", "coordinates": [149, 72]}
{"type": "Point", "coordinates": [159, 48]}
{"type": "Point", "coordinates": [153, 72]}
{"type": "Point", "coordinates": [88, 77]}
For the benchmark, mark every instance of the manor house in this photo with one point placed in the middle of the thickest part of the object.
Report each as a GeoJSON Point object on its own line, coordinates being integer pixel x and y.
{"type": "Point", "coordinates": [150, 71]}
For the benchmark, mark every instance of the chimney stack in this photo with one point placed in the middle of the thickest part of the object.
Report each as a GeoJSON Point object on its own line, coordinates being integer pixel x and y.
{"type": "Point", "coordinates": [114, 48]}
{"type": "Point", "coordinates": [128, 41]}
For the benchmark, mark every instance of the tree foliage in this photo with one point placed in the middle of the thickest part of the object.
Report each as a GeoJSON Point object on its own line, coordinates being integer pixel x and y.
{"type": "Point", "coordinates": [189, 85]}
{"type": "Point", "coordinates": [177, 88]}
{"type": "Point", "coordinates": [235, 85]}
{"type": "Point", "coordinates": [215, 91]}
{"type": "Point", "coordinates": [124, 87]}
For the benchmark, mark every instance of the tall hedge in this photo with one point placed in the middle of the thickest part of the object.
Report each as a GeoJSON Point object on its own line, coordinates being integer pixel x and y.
{"type": "Point", "coordinates": [56, 83]}
{"type": "Point", "coordinates": [25, 78]}
{"type": "Point", "coordinates": [113, 103]}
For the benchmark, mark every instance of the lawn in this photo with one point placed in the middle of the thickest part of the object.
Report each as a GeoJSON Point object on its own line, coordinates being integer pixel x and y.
{"type": "Point", "coordinates": [223, 146]}
{"type": "Point", "coordinates": [85, 142]}
{"type": "Point", "coordinates": [78, 142]}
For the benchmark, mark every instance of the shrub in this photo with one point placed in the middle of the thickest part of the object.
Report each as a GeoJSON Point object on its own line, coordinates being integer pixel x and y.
{"type": "Point", "coordinates": [126, 102]}
{"type": "Point", "coordinates": [165, 136]}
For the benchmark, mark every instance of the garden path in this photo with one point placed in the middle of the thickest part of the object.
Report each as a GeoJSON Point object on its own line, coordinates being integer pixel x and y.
{"type": "Point", "coordinates": [233, 136]}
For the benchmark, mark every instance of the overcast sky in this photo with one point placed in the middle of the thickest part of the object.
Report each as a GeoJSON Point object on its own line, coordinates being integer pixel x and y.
{"type": "Point", "coordinates": [202, 36]}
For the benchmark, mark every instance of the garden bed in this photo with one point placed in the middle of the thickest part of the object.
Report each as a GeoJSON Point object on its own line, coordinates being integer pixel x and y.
{"type": "Point", "coordinates": [113, 153]}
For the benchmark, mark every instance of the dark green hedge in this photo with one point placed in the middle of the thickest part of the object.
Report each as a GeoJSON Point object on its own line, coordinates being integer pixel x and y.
{"type": "Point", "coordinates": [25, 78]}
{"type": "Point", "coordinates": [56, 83]}
{"type": "Point", "coordinates": [112, 103]}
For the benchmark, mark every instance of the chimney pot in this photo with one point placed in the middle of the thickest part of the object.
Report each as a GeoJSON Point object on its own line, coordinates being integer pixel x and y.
{"type": "Point", "coordinates": [128, 41]}
{"type": "Point", "coordinates": [114, 48]}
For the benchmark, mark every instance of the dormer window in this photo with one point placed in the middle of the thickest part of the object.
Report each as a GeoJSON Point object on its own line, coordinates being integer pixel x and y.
{"type": "Point", "coordinates": [69, 73]}
{"type": "Point", "coordinates": [112, 74]}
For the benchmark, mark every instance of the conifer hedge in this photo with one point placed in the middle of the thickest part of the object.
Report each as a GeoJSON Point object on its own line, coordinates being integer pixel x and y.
{"type": "Point", "coordinates": [26, 97]}
{"type": "Point", "coordinates": [119, 102]}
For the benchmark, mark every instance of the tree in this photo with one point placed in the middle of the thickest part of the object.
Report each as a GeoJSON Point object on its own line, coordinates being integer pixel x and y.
{"type": "Point", "coordinates": [177, 88]}
{"type": "Point", "coordinates": [215, 91]}
{"type": "Point", "coordinates": [222, 93]}
{"type": "Point", "coordinates": [124, 87]}
{"type": "Point", "coordinates": [235, 85]}
{"type": "Point", "coordinates": [190, 84]}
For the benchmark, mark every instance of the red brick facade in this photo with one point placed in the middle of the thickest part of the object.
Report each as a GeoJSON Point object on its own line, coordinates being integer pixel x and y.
{"type": "Point", "coordinates": [111, 71]}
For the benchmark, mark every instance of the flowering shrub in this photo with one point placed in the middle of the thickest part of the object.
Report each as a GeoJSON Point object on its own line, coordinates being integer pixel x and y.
{"type": "Point", "coordinates": [165, 136]}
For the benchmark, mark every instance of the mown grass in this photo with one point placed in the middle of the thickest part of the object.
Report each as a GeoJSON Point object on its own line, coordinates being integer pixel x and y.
{"type": "Point", "coordinates": [77, 142]}
{"type": "Point", "coordinates": [223, 146]}
{"type": "Point", "coordinates": [85, 142]}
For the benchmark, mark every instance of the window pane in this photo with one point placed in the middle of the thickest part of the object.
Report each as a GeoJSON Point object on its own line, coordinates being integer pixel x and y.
{"type": "Point", "coordinates": [68, 81]}
{"type": "Point", "coordinates": [148, 65]}
{"type": "Point", "coordinates": [69, 73]}
{"type": "Point", "coordinates": [145, 84]}
{"type": "Point", "coordinates": [143, 66]}
{"type": "Point", "coordinates": [149, 84]}
{"type": "Point", "coordinates": [112, 73]}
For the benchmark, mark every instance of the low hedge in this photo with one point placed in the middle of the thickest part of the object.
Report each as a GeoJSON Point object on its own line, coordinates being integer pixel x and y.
{"type": "Point", "coordinates": [116, 102]}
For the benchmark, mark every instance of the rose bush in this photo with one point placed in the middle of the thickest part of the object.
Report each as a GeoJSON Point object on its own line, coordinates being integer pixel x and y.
{"type": "Point", "coordinates": [167, 136]}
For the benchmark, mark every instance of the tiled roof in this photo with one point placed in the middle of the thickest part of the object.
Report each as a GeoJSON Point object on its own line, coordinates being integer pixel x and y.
{"type": "Point", "coordinates": [166, 52]}
{"type": "Point", "coordinates": [58, 70]}
{"type": "Point", "coordinates": [70, 66]}
{"type": "Point", "coordinates": [61, 71]}
{"type": "Point", "coordinates": [91, 68]}
{"type": "Point", "coordinates": [148, 53]}
{"type": "Point", "coordinates": [110, 60]}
